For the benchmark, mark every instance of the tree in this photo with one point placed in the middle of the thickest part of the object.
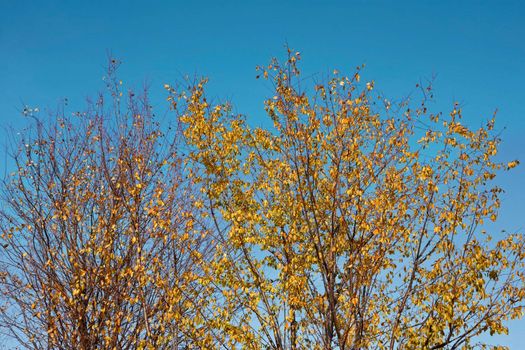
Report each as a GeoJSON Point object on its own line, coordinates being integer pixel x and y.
{"type": "Point", "coordinates": [98, 246]}
{"type": "Point", "coordinates": [353, 223]}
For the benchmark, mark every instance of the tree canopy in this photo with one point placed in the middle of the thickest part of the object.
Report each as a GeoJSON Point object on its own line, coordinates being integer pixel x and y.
{"type": "Point", "coordinates": [350, 222]}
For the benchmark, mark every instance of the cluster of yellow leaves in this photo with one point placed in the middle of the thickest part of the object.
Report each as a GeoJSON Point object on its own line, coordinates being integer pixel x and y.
{"type": "Point", "coordinates": [339, 231]}
{"type": "Point", "coordinates": [351, 223]}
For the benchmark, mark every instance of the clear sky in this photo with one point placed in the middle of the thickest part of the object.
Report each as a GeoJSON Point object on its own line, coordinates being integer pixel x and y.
{"type": "Point", "coordinates": [50, 50]}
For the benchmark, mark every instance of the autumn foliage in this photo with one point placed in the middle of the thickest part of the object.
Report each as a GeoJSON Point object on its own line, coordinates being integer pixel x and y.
{"type": "Point", "coordinates": [350, 223]}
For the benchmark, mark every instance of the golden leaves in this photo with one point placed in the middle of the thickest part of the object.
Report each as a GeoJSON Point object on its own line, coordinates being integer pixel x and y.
{"type": "Point", "coordinates": [512, 164]}
{"type": "Point", "coordinates": [336, 189]}
{"type": "Point", "coordinates": [350, 224]}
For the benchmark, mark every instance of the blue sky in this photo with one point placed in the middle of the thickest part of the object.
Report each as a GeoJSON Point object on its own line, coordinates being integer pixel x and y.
{"type": "Point", "coordinates": [51, 50]}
